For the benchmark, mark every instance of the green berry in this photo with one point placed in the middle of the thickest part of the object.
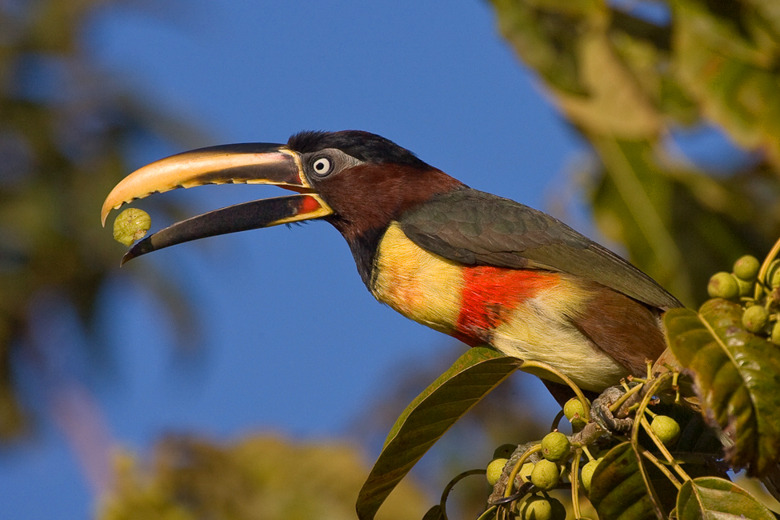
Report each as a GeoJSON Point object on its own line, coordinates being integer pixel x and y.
{"type": "Point", "coordinates": [755, 318]}
{"type": "Point", "coordinates": [575, 412]}
{"type": "Point", "coordinates": [555, 446]}
{"type": "Point", "coordinates": [494, 470]}
{"type": "Point", "coordinates": [131, 225]}
{"type": "Point", "coordinates": [535, 508]}
{"type": "Point", "coordinates": [586, 477]}
{"type": "Point", "coordinates": [504, 451]}
{"type": "Point", "coordinates": [746, 268]}
{"type": "Point", "coordinates": [775, 337]}
{"type": "Point", "coordinates": [545, 475]}
{"type": "Point", "coordinates": [665, 428]}
{"type": "Point", "coordinates": [723, 285]}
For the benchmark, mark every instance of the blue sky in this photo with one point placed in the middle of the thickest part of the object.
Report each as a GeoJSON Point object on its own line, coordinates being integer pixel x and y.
{"type": "Point", "coordinates": [292, 341]}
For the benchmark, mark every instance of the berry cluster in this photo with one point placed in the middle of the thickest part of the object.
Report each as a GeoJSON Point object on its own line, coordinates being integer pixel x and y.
{"type": "Point", "coordinates": [758, 288]}
{"type": "Point", "coordinates": [554, 461]}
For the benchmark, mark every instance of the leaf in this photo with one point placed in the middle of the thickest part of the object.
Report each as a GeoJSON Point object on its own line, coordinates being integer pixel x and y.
{"type": "Point", "coordinates": [425, 420]}
{"type": "Point", "coordinates": [736, 376]}
{"type": "Point", "coordinates": [617, 488]}
{"type": "Point", "coordinates": [587, 76]}
{"type": "Point", "coordinates": [726, 60]}
{"type": "Point", "coordinates": [540, 36]}
{"type": "Point", "coordinates": [628, 83]}
{"type": "Point", "coordinates": [632, 204]}
{"type": "Point", "coordinates": [678, 224]}
{"type": "Point", "coordinates": [712, 497]}
{"type": "Point", "coordinates": [435, 513]}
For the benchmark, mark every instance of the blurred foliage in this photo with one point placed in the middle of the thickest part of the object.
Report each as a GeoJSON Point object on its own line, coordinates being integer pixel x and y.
{"type": "Point", "coordinates": [639, 80]}
{"type": "Point", "coordinates": [259, 477]}
{"type": "Point", "coordinates": [270, 477]}
{"type": "Point", "coordinates": [66, 130]}
{"type": "Point", "coordinates": [64, 133]}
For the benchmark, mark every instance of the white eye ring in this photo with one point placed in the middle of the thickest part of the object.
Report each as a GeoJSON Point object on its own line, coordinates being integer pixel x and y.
{"type": "Point", "coordinates": [322, 166]}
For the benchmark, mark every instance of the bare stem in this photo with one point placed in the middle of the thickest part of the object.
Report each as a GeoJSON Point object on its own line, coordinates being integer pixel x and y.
{"type": "Point", "coordinates": [563, 377]}
{"type": "Point", "coordinates": [763, 282]}
{"type": "Point", "coordinates": [662, 467]}
{"type": "Point", "coordinates": [617, 404]}
{"type": "Point", "coordinates": [513, 474]}
{"type": "Point", "coordinates": [575, 484]}
{"type": "Point", "coordinates": [667, 455]}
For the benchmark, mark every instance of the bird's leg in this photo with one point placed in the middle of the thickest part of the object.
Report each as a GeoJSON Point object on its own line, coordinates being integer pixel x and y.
{"type": "Point", "coordinates": [619, 420]}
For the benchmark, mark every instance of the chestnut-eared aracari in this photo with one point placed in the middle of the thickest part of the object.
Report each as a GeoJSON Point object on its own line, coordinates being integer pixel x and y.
{"type": "Point", "coordinates": [481, 268]}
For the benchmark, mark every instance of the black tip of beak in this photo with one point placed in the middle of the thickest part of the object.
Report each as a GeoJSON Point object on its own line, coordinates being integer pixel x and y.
{"type": "Point", "coordinates": [138, 249]}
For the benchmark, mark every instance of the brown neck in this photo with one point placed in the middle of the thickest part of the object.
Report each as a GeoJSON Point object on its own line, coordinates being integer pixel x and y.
{"type": "Point", "coordinates": [367, 198]}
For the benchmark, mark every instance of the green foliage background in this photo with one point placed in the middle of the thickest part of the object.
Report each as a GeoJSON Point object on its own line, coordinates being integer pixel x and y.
{"type": "Point", "coordinates": [636, 79]}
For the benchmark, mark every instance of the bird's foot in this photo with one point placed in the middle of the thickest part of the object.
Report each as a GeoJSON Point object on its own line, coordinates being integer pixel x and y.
{"type": "Point", "coordinates": [606, 414]}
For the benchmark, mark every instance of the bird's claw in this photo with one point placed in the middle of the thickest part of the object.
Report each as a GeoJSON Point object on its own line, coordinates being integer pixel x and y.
{"type": "Point", "coordinates": [619, 420]}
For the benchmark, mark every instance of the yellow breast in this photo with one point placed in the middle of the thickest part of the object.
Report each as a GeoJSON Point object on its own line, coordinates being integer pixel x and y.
{"type": "Point", "coordinates": [420, 285]}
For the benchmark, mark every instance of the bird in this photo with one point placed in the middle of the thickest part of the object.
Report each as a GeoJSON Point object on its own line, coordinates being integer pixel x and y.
{"type": "Point", "coordinates": [483, 269]}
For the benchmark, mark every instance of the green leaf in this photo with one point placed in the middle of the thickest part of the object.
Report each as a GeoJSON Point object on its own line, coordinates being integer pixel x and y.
{"type": "Point", "coordinates": [678, 224]}
{"type": "Point", "coordinates": [632, 204]}
{"type": "Point", "coordinates": [591, 82]}
{"type": "Point", "coordinates": [435, 513]}
{"type": "Point", "coordinates": [540, 36]}
{"type": "Point", "coordinates": [431, 414]}
{"type": "Point", "coordinates": [736, 376]}
{"type": "Point", "coordinates": [726, 60]}
{"type": "Point", "coordinates": [618, 490]}
{"type": "Point", "coordinates": [717, 498]}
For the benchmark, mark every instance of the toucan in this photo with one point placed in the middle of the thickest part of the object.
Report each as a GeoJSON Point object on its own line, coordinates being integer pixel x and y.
{"type": "Point", "coordinates": [484, 269]}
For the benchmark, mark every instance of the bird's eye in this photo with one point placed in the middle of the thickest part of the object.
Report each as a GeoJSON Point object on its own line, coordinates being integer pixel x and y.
{"type": "Point", "coordinates": [322, 166]}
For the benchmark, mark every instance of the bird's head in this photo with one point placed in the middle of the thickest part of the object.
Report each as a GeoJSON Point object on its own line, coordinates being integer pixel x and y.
{"type": "Point", "coordinates": [357, 181]}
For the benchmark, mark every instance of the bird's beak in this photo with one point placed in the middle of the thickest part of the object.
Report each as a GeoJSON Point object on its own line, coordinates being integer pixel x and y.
{"type": "Point", "coordinates": [254, 163]}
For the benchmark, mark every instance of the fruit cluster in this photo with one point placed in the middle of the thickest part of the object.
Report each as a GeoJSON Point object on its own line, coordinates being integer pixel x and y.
{"type": "Point", "coordinates": [560, 459]}
{"type": "Point", "coordinates": [758, 288]}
